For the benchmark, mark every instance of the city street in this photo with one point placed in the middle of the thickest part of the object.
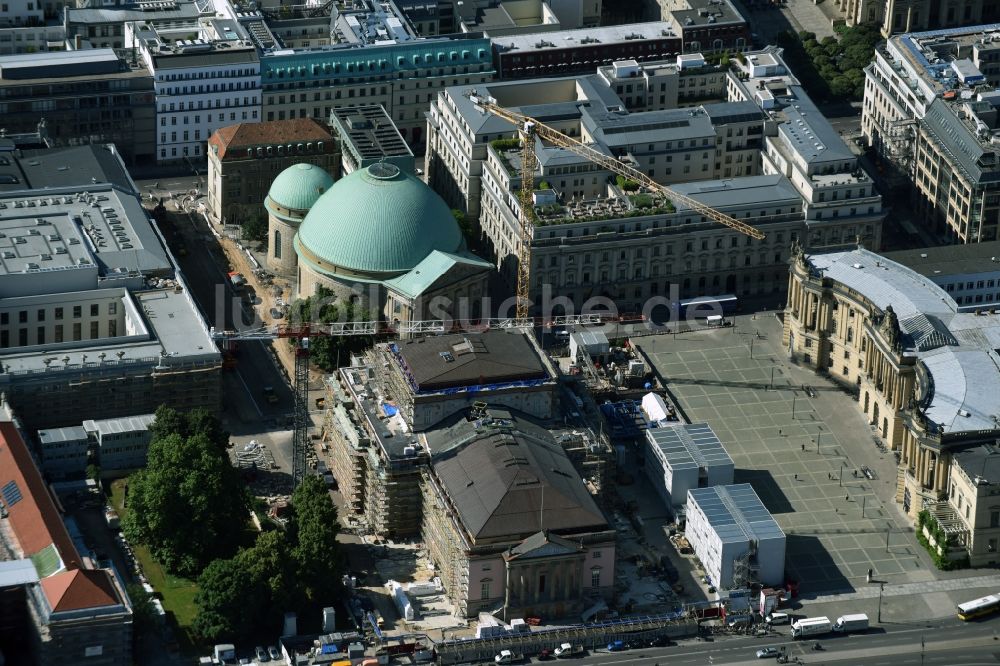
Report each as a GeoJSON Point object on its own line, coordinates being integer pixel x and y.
{"type": "Point", "coordinates": [951, 643]}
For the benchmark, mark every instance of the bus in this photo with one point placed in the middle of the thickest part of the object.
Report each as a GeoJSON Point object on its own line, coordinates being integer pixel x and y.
{"type": "Point", "coordinates": [705, 306]}
{"type": "Point", "coordinates": [979, 607]}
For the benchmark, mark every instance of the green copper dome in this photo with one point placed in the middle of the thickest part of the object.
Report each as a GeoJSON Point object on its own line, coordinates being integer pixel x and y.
{"type": "Point", "coordinates": [376, 220]}
{"type": "Point", "coordinates": [299, 186]}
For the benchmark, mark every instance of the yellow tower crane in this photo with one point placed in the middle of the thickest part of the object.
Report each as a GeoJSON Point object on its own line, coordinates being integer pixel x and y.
{"type": "Point", "coordinates": [528, 129]}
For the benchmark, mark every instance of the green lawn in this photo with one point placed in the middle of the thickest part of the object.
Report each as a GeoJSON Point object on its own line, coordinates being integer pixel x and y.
{"type": "Point", "coordinates": [176, 593]}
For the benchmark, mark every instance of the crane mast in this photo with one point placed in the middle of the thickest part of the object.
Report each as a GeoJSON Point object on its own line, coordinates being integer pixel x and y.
{"type": "Point", "coordinates": [528, 129]}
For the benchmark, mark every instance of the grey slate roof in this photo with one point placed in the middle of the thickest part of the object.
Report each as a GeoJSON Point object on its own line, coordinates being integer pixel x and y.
{"type": "Point", "coordinates": [940, 262]}
{"type": "Point", "coordinates": [447, 361]}
{"type": "Point", "coordinates": [981, 461]}
{"type": "Point", "coordinates": [809, 133]}
{"type": "Point", "coordinates": [509, 479]}
{"type": "Point", "coordinates": [615, 129]}
{"type": "Point", "coordinates": [743, 191]}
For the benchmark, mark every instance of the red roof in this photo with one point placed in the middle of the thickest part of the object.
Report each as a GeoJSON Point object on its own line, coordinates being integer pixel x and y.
{"type": "Point", "coordinates": [34, 518]}
{"type": "Point", "coordinates": [246, 135]}
{"type": "Point", "coordinates": [80, 589]}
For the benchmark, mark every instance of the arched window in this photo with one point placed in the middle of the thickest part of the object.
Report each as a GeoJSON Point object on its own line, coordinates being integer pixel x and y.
{"type": "Point", "coordinates": [277, 244]}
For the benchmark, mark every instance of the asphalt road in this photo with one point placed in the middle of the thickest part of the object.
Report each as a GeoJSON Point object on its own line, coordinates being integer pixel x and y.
{"type": "Point", "coordinates": [224, 309]}
{"type": "Point", "coordinates": [950, 643]}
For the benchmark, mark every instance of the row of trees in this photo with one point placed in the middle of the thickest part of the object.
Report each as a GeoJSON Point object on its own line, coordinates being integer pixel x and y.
{"type": "Point", "coordinates": [832, 69]}
{"type": "Point", "coordinates": [190, 507]}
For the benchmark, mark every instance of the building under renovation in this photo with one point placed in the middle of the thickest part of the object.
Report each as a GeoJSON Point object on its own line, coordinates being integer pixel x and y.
{"type": "Point", "coordinates": [379, 411]}
{"type": "Point", "coordinates": [508, 521]}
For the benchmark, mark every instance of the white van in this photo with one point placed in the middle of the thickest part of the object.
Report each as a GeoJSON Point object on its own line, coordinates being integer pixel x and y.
{"type": "Point", "coordinates": [778, 618]}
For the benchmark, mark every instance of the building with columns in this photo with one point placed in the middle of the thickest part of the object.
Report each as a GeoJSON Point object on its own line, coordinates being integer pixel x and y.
{"type": "Point", "coordinates": [509, 523]}
{"type": "Point", "coordinates": [926, 374]}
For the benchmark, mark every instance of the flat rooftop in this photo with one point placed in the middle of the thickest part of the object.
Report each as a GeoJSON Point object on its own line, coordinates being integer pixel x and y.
{"type": "Point", "coordinates": [60, 63]}
{"type": "Point", "coordinates": [735, 513]}
{"type": "Point", "coordinates": [453, 361]}
{"type": "Point", "coordinates": [583, 37]}
{"type": "Point", "coordinates": [369, 133]}
{"type": "Point", "coordinates": [701, 13]}
{"type": "Point", "coordinates": [689, 446]}
{"type": "Point", "coordinates": [172, 334]}
{"type": "Point", "coordinates": [939, 262]}
{"type": "Point", "coordinates": [63, 230]}
{"type": "Point", "coordinates": [67, 434]}
{"type": "Point", "coordinates": [120, 425]}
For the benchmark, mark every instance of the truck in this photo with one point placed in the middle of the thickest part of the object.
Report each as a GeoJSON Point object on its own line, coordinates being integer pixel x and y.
{"type": "Point", "coordinates": [567, 650]}
{"type": "Point", "coordinates": [848, 623]}
{"type": "Point", "coordinates": [811, 626]}
{"type": "Point", "coordinates": [506, 657]}
{"type": "Point", "coordinates": [270, 395]}
{"type": "Point", "coordinates": [224, 653]}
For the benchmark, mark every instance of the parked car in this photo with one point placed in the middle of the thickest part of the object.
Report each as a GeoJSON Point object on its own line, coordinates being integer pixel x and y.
{"type": "Point", "coordinates": [545, 655]}
{"type": "Point", "coordinates": [660, 641]}
{"type": "Point", "coordinates": [767, 653]}
{"type": "Point", "coordinates": [616, 646]}
{"type": "Point", "coordinates": [274, 653]}
{"type": "Point", "coordinates": [261, 654]}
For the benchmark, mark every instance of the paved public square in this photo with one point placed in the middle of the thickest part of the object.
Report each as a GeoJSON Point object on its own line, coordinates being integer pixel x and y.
{"type": "Point", "coordinates": [798, 439]}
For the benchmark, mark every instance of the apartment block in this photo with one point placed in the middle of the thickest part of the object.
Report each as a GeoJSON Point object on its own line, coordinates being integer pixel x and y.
{"type": "Point", "coordinates": [930, 110]}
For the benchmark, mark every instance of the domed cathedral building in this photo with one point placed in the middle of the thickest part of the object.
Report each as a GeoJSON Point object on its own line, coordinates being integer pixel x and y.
{"type": "Point", "coordinates": [382, 239]}
{"type": "Point", "coordinates": [927, 378]}
{"type": "Point", "coordinates": [290, 197]}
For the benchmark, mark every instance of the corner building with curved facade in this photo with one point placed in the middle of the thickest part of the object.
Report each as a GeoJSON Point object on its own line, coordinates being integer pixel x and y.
{"type": "Point", "coordinates": [381, 239]}
{"type": "Point", "coordinates": [927, 378]}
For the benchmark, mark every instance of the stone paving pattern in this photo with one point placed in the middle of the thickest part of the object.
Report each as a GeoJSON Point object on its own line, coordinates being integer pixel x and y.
{"type": "Point", "coordinates": [793, 449]}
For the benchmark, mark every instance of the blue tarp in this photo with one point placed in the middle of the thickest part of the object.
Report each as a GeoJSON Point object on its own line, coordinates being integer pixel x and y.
{"type": "Point", "coordinates": [389, 410]}
{"type": "Point", "coordinates": [329, 648]}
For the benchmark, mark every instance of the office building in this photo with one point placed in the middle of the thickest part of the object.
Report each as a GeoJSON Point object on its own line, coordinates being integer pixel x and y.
{"type": "Point", "coordinates": [682, 456]}
{"type": "Point", "coordinates": [707, 26]}
{"type": "Point", "coordinates": [734, 536]}
{"type": "Point", "coordinates": [56, 603]}
{"type": "Point", "coordinates": [84, 97]}
{"type": "Point", "coordinates": [95, 320]}
{"type": "Point", "coordinates": [373, 59]}
{"type": "Point", "coordinates": [103, 27]}
{"type": "Point", "coordinates": [930, 110]}
{"type": "Point", "coordinates": [969, 273]}
{"type": "Point", "coordinates": [205, 78]}
{"type": "Point", "coordinates": [245, 158]}
{"type": "Point", "coordinates": [368, 135]}
{"type": "Point", "coordinates": [509, 523]}
{"type": "Point", "coordinates": [764, 155]}
{"type": "Point", "coordinates": [579, 51]}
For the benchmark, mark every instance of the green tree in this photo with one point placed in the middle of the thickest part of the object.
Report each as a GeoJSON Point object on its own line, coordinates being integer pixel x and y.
{"type": "Point", "coordinates": [189, 505]}
{"type": "Point", "coordinates": [466, 226]}
{"type": "Point", "coordinates": [143, 611]}
{"type": "Point", "coordinates": [324, 308]}
{"type": "Point", "coordinates": [246, 596]}
{"type": "Point", "coordinates": [313, 530]}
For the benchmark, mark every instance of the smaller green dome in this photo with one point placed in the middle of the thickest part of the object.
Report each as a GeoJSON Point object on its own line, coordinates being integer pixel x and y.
{"type": "Point", "coordinates": [299, 186]}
